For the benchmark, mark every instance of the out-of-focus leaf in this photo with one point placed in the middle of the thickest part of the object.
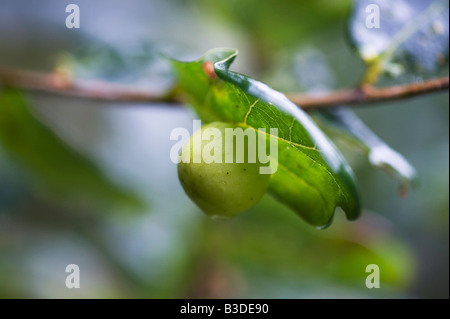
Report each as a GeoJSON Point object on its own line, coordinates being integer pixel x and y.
{"type": "Point", "coordinates": [410, 41]}
{"type": "Point", "coordinates": [312, 176]}
{"type": "Point", "coordinates": [141, 65]}
{"type": "Point", "coordinates": [344, 121]}
{"type": "Point", "coordinates": [281, 23]}
{"type": "Point", "coordinates": [10, 185]}
{"type": "Point", "coordinates": [10, 191]}
{"type": "Point", "coordinates": [315, 260]}
{"type": "Point", "coordinates": [105, 62]}
{"type": "Point", "coordinates": [54, 169]}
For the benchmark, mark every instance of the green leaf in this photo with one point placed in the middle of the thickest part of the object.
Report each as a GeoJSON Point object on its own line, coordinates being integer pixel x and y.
{"type": "Point", "coordinates": [275, 24]}
{"type": "Point", "coordinates": [312, 177]}
{"type": "Point", "coordinates": [410, 41]}
{"type": "Point", "coordinates": [115, 64]}
{"type": "Point", "coordinates": [344, 122]}
{"type": "Point", "coordinates": [51, 167]}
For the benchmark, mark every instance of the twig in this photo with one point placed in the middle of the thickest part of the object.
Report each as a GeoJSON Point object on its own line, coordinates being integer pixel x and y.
{"type": "Point", "coordinates": [57, 83]}
{"type": "Point", "coordinates": [369, 94]}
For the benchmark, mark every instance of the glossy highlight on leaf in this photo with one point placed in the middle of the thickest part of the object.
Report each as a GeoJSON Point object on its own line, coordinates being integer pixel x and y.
{"type": "Point", "coordinates": [312, 177]}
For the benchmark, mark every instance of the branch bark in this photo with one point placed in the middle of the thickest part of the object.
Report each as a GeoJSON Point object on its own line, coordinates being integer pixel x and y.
{"type": "Point", "coordinates": [60, 84]}
{"type": "Point", "coordinates": [57, 83]}
{"type": "Point", "coordinates": [369, 94]}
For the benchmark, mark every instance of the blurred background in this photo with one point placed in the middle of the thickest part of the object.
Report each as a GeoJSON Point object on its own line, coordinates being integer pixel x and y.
{"type": "Point", "coordinates": [122, 215]}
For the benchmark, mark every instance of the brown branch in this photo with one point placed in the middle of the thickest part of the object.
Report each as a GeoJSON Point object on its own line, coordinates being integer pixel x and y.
{"type": "Point", "coordinates": [60, 84]}
{"type": "Point", "coordinates": [369, 94]}
{"type": "Point", "coordinates": [57, 83]}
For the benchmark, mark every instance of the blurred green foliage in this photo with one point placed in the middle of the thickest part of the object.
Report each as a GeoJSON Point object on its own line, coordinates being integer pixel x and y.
{"type": "Point", "coordinates": [51, 167]}
{"type": "Point", "coordinates": [171, 249]}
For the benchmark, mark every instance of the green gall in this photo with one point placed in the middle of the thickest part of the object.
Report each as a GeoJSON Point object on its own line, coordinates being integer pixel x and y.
{"type": "Point", "coordinates": [220, 170]}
